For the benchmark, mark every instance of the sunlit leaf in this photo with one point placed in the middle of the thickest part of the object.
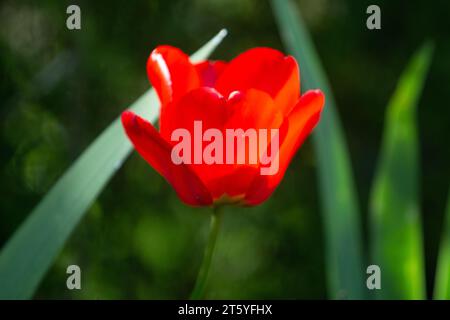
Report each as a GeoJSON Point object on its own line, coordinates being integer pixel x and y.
{"type": "Point", "coordinates": [442, 282]}
{"type": "Point", "coordinates": [337, 192]}
{"type": "Point", "coordinates": [29, 253]}
{"type": "Point", "coordinates": [396, 229]}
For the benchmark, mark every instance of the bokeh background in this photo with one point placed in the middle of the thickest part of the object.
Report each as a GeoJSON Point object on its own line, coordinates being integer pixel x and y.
{"type": "Point", "coordinates": [59, 89]}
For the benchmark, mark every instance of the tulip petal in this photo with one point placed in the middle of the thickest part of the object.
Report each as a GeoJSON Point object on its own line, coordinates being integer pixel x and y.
{"type": "Point", "coordinates": [202, 104]}
{"type": "Point", "coordinates": [302, 119]}
{"type": "Point", "coordinates": [263, 69]}
{"type": "Point", "coordinates": [209, 107]}
{"type": "Point", "coordinates": [231, 181]}
{"type": "Point", "coordinates": [209, 71]}
{"type": "Point", "coordinates": [171, 73]}
{"type": "Point", "coordinates": [157, 152]}
{"type": "Point", "coordinates": [253, 109]}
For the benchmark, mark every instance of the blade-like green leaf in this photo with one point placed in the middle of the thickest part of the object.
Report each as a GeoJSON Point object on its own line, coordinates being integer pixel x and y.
{"type": "Point", "coordinates": [26, 257]}
{"type": "Point", "coordinates": [396, 229]}
{"type": "Point", "coordinates": [338, 198]}
{"type": "Point", "coordinates": [442, 281]}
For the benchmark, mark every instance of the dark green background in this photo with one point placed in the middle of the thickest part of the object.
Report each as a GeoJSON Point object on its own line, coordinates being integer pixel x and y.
{"type": "Point", "coordinates": [60, 88]}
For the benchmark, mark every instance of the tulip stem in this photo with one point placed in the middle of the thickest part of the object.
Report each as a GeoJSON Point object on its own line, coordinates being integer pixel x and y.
{"type": "Point", "coordinates": [200, 284]}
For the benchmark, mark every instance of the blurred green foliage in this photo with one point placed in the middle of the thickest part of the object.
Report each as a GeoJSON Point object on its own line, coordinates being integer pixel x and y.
{"type": "Point", "coordinates": [396, 242]}
{"type": "Point", "coordinates": [442, 280]}
{"type": "Point", "coordinates": [60, 88]}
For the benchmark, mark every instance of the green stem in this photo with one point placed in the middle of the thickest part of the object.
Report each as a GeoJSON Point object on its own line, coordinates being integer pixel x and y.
{"type": "Point", "coordinates": [200, 284]}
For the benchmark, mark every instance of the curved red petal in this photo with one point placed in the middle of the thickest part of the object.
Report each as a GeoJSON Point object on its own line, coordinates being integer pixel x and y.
{"type": "Point", "coordinates": [264, 69]}
{"type": "Point", "coordinates": [202, 104]}
{"type": "Point", "coordinates": [157, 152]}
{"type": "Point", "coordinates": [253, 109]}
{"type": "Point", "coordinates": [302, 121]}
{"type": "Point", "coordinates": [231, 180]}
{"type": "Point", "coordinates": [199, 110]}
{"type": "Point", "coordinates": [171, 73]}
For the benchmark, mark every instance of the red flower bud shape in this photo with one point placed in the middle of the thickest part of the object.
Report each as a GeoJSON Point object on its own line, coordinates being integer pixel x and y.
{"type": "Point", "coordinates": [207, 106]}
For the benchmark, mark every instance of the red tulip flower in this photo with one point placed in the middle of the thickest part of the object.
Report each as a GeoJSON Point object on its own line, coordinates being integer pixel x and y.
{"type": "Point", "coordinates": [258, 89]}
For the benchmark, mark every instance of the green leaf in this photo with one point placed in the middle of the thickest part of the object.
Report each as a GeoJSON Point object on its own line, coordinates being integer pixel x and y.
{"type": "Point", "coordinates": [442, 281]}
{"type": "Point", "coordinates": [396, 229]}
{"type": "Point", "coordinates": [338, 198]}
{"type": "Point", "coordinates": [29, 253]}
